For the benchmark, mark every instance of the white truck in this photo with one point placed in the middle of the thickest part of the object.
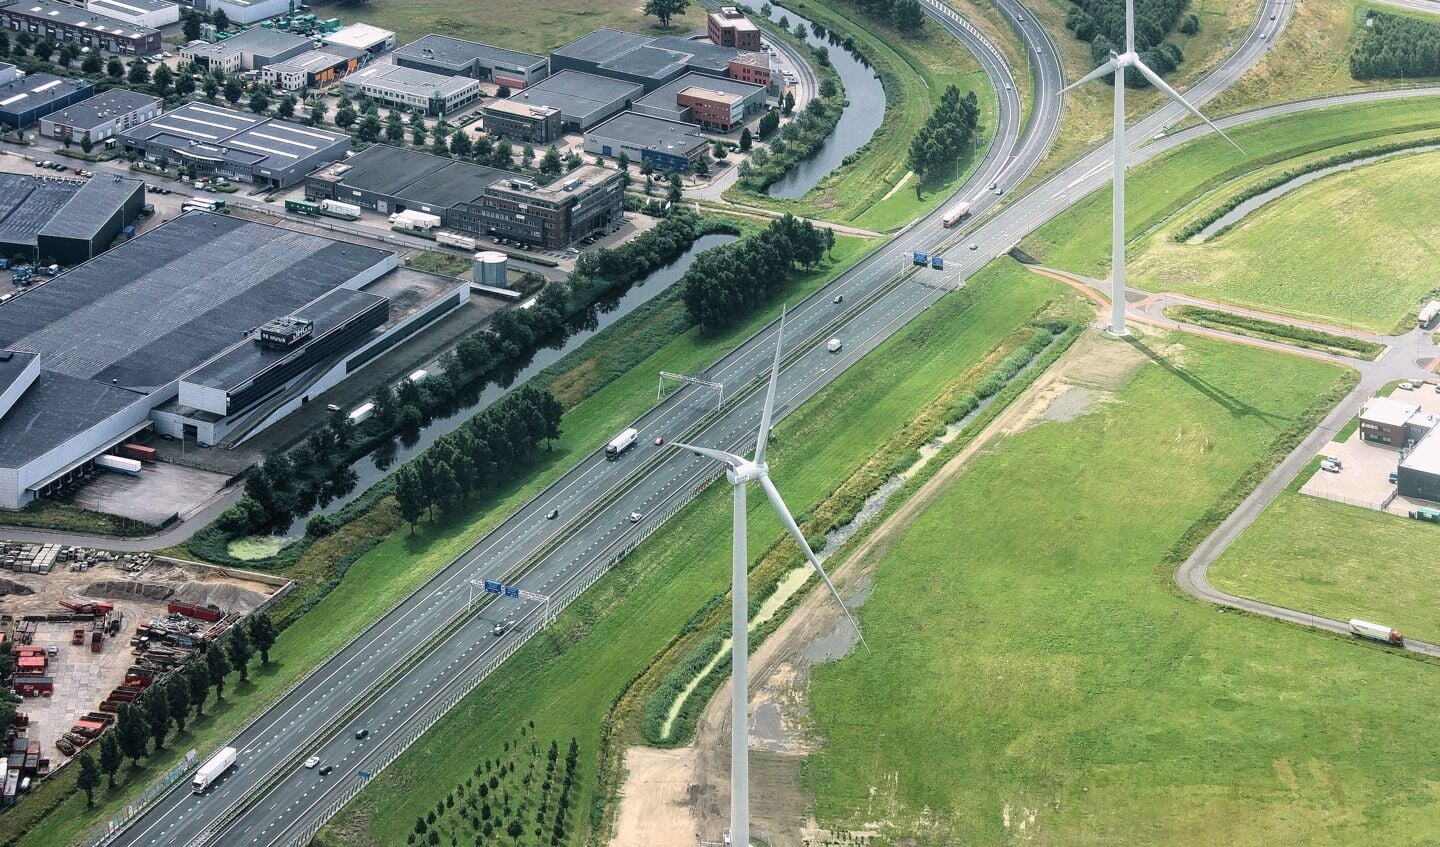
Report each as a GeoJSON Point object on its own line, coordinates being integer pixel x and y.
{"type": "Point", "coordinates": [118, 464]}
{"type": "Point", "coordinates": [622, 442]}
{"type": "Point", "coordinates": [361, 413]}
{"type": "Point", "coordinates": [955, 214]}
{"type": "Point", "coordinates": [464, 242]}
{"type": "Point", "coordinates": [834, 345]}
{"type": "Point", "coordinates": [1428, 314]}
{"type": "Point", "coordinates": [417, 375]}
{"type": "Point", "coordinates": [212, 770]}
{"type": "Point", "coordinates": [1376, 632]}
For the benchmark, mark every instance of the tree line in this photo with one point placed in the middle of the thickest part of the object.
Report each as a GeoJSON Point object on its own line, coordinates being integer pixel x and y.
{"type": "Point", "coordinates": [1395, 46]}
{"type": "Point", "coordinates": [726, 283]}
{"type": "Point", "coordinates": [941, 141]}
{"type": "Point", "coordinates": [1102, 23]}
{"type": "Point", "coordinates": [904, 15]}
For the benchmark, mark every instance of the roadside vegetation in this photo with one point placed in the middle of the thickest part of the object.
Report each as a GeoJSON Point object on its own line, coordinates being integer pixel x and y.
{"type": "Point", "coordinates": [1299, 336]}
{"type": "Point", "coordinates": [1396, 46]}
{"type": "Point", "coordinates": [1338, 561]}
{"type": "Point", "coordinates": [1046, 657]}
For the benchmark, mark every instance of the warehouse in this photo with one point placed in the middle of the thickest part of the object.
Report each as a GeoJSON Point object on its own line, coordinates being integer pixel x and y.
{"type": "Point", "coordinates": [27, 204]}
{"type": "Point", "coordinates": [718, 105]}
{"type": "Point", "coordinates": [1418, 476]}
{"type": "Point", "coordinates": [236, 144]}
{"type": "Point", "coordinates": [246, 11]}
{"type": "Point", "coordinates": [101, 116]}
{"type": "Point", "coordinates": [584, 100]}
{"type": "Point", "coordinates": [151, 13]}
{"type": "Point", "coordinates": [61, 23]}
{"type": "Point", "coordinates": [371, 40]}
{"type": "Point", "coordinates": [28, 99]}
{"type": "Point", "coordinates": [473, 198]}
{"type": "Point", "coordinates": [251, 50]}
{"type": "Point", "coordinates": [393, 85]}
{"type": "Point", "coordinates": [243, 320]}
{"type": "Point", "coordinates": [442, 54]}
{"type": "Point", "coordinates": [664, 145]}
{"type": "Point", "coordinates": [92, 219]}
{"type": "Point", "coordinates": [524, 123]}
{"type": "Point", "coordinates": [315, 69]}
{"type": "Point", "coordinates": [652, 62]}
{"type": "Point", "coordinates": [9, 73]}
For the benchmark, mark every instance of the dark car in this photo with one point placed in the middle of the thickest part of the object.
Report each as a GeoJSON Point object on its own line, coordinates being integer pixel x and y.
{"type": "Point", "coordinates": [325, 771]}
{"type": "Point", "coordinates": [552, 514]}
{"type": "Point", "coordinates": [499, 629]}
{"type": "Point", "coordinates": [361, 734]}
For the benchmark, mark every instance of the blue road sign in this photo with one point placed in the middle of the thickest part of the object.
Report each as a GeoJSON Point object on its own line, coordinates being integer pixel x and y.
{"type": "Point", "coordinates": [363, 774]}
{"type": "Point", "coordinates": [493, 587]}
{"type": "Point", "coordinates": [512, 591]}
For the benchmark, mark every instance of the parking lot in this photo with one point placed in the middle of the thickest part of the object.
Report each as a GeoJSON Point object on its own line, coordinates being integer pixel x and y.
{"type": "Point", "coordinates": [1365, 467]}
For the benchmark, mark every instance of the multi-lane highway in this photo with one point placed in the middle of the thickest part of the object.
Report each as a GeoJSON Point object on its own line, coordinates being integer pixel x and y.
{"type": "Point", "coordinates": [395, 677]}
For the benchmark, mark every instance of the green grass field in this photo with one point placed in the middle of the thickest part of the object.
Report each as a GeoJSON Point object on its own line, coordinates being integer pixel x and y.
{"type": "Point", "coordinates": [378, 579]}
{"type": "Point", "coordinates": [1310, 339]}
{"type": "Point", "coordinates": [538, 26]}
{"type": "Point", "coordinates": [1310, 253]}
{"type": "Point", "coordinates": [1338, 561]}
{"type": "Point", "coordinates": [566, 679]}
{"type": "Point", "coordinates": [1036, 678]}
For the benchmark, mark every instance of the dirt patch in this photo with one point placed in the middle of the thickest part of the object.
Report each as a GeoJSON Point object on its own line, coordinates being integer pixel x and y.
{"type": "Point", "coordinates": [126, 590]}
{"type": "Point", "coordinates": [656, 806]}
{"type": "Point", "coordinates": [1071, 403]}
{"type": "Point", "coordinates": [10, 586]}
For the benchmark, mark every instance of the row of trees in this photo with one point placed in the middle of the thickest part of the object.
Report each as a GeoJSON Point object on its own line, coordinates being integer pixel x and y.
{"type": "Point", "coordinates": [905, 15]}
{"type": "Point", "coordinates": [1394, 46]}
{"type": "Point", "coordinates": [175, 702]}
{"type": "Point", "coordinates": [726, 283]}
{"type": "Point", "coordinates": [798, 140]}
{"type": "Point", "coordinates": [941, 141]}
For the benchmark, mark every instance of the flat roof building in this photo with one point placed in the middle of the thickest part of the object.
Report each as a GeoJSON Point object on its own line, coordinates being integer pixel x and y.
{"type": "Point", "coordinates": [61, 23]}
{"type": "Point", "coordinates": [728, 27]}
{"type": "Point", "coordinates": [93, 218]}
{"type": "Point", "coordinates": [475, 199]}
{"type": "Point", "coordinates": [246, 11]}
{"type": "Point", "coordinates": [101, 116]}
{"type": "Point", "coordinates": [235, 144]}
{"type": "Point", "coordinates": [394, 85]}
{"type": "Point", "coordinates": [650, 62]}
{"type": "Point", "coordinates": [370, 39]}
{"type": "Point", "coordinates": [714, 103]}
{"type": "Point", "coordinates": [584, 100]}
{"type": "Point", "coordinates": [1396, 423]}
{"type": "Point", "coordinates": [313, 69]}
{"type": "Point", "coordinates": [28, 99]}
{"type": "Point", "coordinates": [9, 73]}
{"type": "Point", "coordinates": [443, 54]}
{"type": "Point", "coordinates": [521, 122]}
{"type": "Point", "coordinates": [665, 145]}
{"type": "Point", "coordinates": [27, 204]}
{"type": "Point", "coordinates": [150, 13]}
{"type": "Point", "coordinates": [251, 50]}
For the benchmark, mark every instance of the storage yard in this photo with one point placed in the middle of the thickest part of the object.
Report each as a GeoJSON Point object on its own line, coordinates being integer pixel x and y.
{"type": "Point", "coordinates": [92, 631]}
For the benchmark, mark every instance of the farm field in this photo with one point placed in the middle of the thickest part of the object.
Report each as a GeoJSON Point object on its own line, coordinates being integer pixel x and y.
{"type": "Point", "coordinates": [566, 679]}
{"type": "Point", "coordinates": [1338, 561]}
{"type": "Point", "coordinates": [1025, 633]}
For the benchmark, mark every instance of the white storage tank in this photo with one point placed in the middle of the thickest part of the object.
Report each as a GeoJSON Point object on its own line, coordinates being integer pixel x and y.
{"type": "Point", "coordinates": [492, 268]}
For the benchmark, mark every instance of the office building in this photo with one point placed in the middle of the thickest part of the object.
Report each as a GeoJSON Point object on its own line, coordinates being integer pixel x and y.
{"type": "Point", "coordinates": [442, 54]}
{"type": "Point", "coordinates": [716, 104]}
{"type": "Point", "coordinates": [665, 145]}
{"type": "Point", "coordinates": [408, 88]}
{"type": "Point", "coordinates": [101, 116]}
{"type": "Point", "coordinates": [25, 100]}
{"type": "Point", "coordinates": [61, 23]}
{"type": "Point", "coordinates": [313, 69]}
{"type": "Point", "coordinates": [371, 40]}
{"type": "Point", "coordinates": [728, 27]}
{"type": "Point", "coordinates": [583, 100]}
{"type": "Point", "coordinates": [251, 50]}
{"type": "Point", "coordinates": [523, 123]}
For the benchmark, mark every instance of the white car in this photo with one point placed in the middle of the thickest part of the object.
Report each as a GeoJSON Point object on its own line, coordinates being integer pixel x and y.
{"type": "Point", "coordinates": [1407, 386]}
{"type": "Point", "coordinates": [1329, 466]}
{"type": "Point", "coordinates": [312, 762]}
{"type": "Point", "coordinates": [635, 517]}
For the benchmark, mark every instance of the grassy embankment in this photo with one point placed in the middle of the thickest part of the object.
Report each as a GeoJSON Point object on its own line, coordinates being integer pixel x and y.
{"type": "Point", "coordinates": [1310, 339]}
{"type": "Point", "coordinates": [1338, 561]}
{"type": "Point", "coordinates": [1078, 240]}
{"type": "Point", "coordinates": [1025, 634]}
{"type": "Point", "coordinates": [55, 814]}
{"type": "Point", "coordinates": [566, 680]}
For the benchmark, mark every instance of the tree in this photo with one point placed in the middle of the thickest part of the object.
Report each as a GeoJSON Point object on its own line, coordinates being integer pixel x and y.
{"type": "Point", "coordinates": [139, 72]}
{"type": "Point", "coordinates": [89, 778]}
{"type": "Point", "coordinates": [676, 192]}
{"type": "Point", "coordinates": [197, 679]}
{"type": "Point", "coordinates": [410, 495]}
{"type": "Point", "coordinates": [460, 143]}
{"type": "Point", "coordinates": [417, 135]}
{"type": "Point", "coordinates": [1190, 25]}
{"type": "Point", "coordinates": [5, 44]}
{"type": "Point", "coordinates": [664, 10]}
{"type": "Point", "coordinates": [503, 92]}
{"type": "Point", "coordinates": [788, 103]}
{"type": "Point", "coordinates": [746, 140]}
{"type": "Point", "coordinates": [369, 129]}
{"type": "Point", "coordinates": [262, 635]}
{"type": "Point", "coordinates": [191, 25]}
{"type": "Point", "coordinates": [909, 18]}
{"type": "Point", "coordinates": [162, 79]}
{"type": "Point", "coordinates": [69, 52]}
{"type": "Point", "coordinates": [260, 99]}
{"type": "Point", "coordinates": [286, 107]}
{"type": "Point", "coordinates": [184, 84]}
{"type": "Point", "coordinates": [702, 165]}
{"type": "Point", "coordinates": [110, 756]}
{"type": "Point", "coordinates": [769, 122]}
{"type": "Point", "coordinates": [448, 492]}
{"type": "Point", "coordinates": [394, 129]}
{"type": "Point", "coordinates": [86, 145]}
{"type": "Point", "coordinates": [177, 692]}
{"type": "Point", "coordinates": [345, 116]}
{"type": "Point", "coordinates": [44, 49]}
{"type": "Point", "coordinates": [238, 648]}
{"type": "Point", "coordinates": [828, 88]}
{"type": "Point", "coordinates": [217, 666]}
{"type": "Point", "coordinates": [211, 87]}
{"type": "Point", "coordinates": [801, 31]}
{"type": "Point", "coordinates": [234, 90]}
{"type": "Point", "coordinates": [550, 164]}
{"type": "Point", "coordinates": [317, 109]}
{"type": "Point", "coordinates": [91, 65]}
{"type": "Point", "coordinates": [114, 68]}
{"type": "Point", "coordinates": [134, 736]}
{"type": "Point", "coordinates": [220, 19]}
{"type": "Point", "coordinates": [157, 718]}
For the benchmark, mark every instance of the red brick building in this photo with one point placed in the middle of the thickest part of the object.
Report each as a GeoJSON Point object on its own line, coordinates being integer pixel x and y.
{"type": "Point", "coordinates": [730, 28]}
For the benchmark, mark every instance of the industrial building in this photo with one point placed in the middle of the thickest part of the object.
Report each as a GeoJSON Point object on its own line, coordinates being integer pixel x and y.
{"type": "Point", "coordinates": [665, 145]}
{"type": "Point", "coordinates": [207, 327]}
{"type": "Point", "coordinates": [718, 105]}
{"type": "Point", "coordinates": [9, 73]}
{"type": "Point", "coordinates": [313, 69]}
{"type": "Point", "coordinates": [246, 11]}
{"type": "Point", "coordinates": [1394, 423]}
{"type": "Point", "coordinates": [475, 199]}
{"type": "Point", "coordinates": [652, 62]}
{"type": "Point", "coordinates": [101, 116]}
{"type": "Point", "coordinates": [151, 13]}
{"type": "Point", "coordinates": [251, 50]}
{"type": "Point", "coordinates": [584, 100]}
{"type": "Point", "coordinates": [728, 27]}
{"type": "Point", "coordinates": [235, 144]}
{"type": "Point", "coordinates": [1418, 475]}
{"type": "Point", "coordinates": [61, 23]}
{"type": "Point", "coordinates": [26, 100]}
{"type": "Point", "coordinates": [442, 54]}
{"type": "Point", "coordinates": [372, 40]}
{"type": "Point", "coordinates": [393, 85]}
{"type": "Point", "coordinates": [521, 122]}
{"type": "Point", "coordinates": [64, 221]}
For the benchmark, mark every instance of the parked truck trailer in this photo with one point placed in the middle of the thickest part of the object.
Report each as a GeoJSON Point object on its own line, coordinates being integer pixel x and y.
{"type": "Point", "coordinates": [1428, 313]}
{"type": "Point", "coordinates": [118, 464]}
{"type": "Point", "coordinates": [337, 209]}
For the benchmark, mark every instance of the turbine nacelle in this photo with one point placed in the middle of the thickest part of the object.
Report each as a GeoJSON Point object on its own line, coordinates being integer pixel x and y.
{"type": "Point", "coordinates": [746, 471]}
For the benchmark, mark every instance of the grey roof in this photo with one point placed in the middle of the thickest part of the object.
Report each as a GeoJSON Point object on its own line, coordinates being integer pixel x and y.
{"type": "Point", "coordinates": [214, 132]}
{"type": "Point", "coordinates": [12, 365]}
{"type": "Point", "coordinates": [408, 80]}
{"type": "Point", "coordinates": [650, 58]}
{"type": "Point", "coordinates": [665, 95]}
{"type": "Point", "coordinates": [55, 408]}
{"type": "Point", "coordinates": [233, 368]}
{"type": "Point", "coordinates": [418, 178]}
{"type": "Point", "coordinates": [103, 107]}
{"type": "Point", "coordinates": [93, 206]}
{"type": "Point", "coordinates": [651, 133]}
{"type": "Point", "coordinates": [577, 94]}
{"type": "Point", "coordinates": [444, 49]}
{"type": "Point", "coordinates": [77, 17]}
{"type": "Point", "coordinates": [153, 308]}
{"type": "Point", "coordinates": [704, 54]}
{"type": "Point", "coordinates": [35, 90]}
{"type": "Point", "coordinates": [103, 6]}
{"type": "Point", "coordinates": [257, 40]}
{"type": "Point", "coordinates": [28, 203]}
{"type": "Point", "coordinates": [602, 45]}
{"type": "Point", "coordinates": [312, 61]}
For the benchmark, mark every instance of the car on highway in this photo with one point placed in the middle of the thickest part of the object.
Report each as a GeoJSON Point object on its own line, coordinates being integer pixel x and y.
{"type": "Point", "coordinates": [499, 629]}
{"type": "Point", "coordinates": [312, 762]}
{"type": "Point", "coordinates": [362, 733]}
{"type": "Point", "coordinates": [325, 771]}
{"type": "Point", "coordinates": [660, 441]}
{"type": "Point", "coordinates": [974, 246]}
{"type": "Point", "coordinates": [635, 517]}
{"type": "Point", "coordinates": [839, 298]}
{"type": "Point", "coordinates": [552, 514]}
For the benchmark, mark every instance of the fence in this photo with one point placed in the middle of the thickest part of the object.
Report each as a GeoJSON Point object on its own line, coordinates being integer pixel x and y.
{"type": "Point", "coordinates": [156, 788]}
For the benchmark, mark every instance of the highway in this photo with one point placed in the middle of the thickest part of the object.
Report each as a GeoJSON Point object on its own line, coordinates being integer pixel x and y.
{"type": "Point", "coordinates": [386, 682]}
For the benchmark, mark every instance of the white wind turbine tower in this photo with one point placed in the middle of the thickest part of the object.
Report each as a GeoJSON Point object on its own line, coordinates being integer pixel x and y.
{"type": "Point", "coordinates": [1117, 66]}
{"type": "Point", "coordinates": [741, 472]}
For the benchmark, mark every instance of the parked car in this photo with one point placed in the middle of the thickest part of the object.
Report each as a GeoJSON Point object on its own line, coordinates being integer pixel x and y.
{"type": "Point", "coordinates": [1407, 386]}
{"type": "Point", "coordinates": [1329, 466]}
{"type": "Point", "coordinates": [1335, 460]}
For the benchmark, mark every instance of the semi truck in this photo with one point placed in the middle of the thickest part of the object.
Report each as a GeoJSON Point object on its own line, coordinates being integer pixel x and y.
{"type": "Point", "coordinates": [1429, 313]}
{"type": "Point", "coordinates": [337, 209]}
{"type": "Point", "coordinates": [1376, 632]}
{"type": "Point", "coordinates": [957, 213]}
{"type": "Point", "coordinates": [622, 442]}
{"type": "Point", "coordinates": [212, 770]}
{"type": "Point", "coordinates": [302, 207]}
{"type": "Point", "coordinates": [118, 464]}
{"type": "Point", "coordinates": [415, 220]}
{"type": "Point", "coordinates": [464, 242]}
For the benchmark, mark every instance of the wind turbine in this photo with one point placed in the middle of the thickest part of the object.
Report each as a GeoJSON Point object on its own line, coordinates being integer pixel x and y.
{"type": "Point", "coordinates": [1117, 66]}
{"type": "Point", "coordinates": [741, 472]}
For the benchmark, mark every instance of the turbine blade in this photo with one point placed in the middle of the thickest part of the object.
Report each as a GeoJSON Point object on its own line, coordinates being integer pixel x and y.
{"type": "Point", "coordinates": [769, 410]}
{"type": "Point", "coordinates": [1161, 84]}
{"type": "Point", "coordinates": [794, 529]}
{"type": "Point", "coordinates": [1104, 70]}
{"type": "Point", "coordinates": [718, 455]}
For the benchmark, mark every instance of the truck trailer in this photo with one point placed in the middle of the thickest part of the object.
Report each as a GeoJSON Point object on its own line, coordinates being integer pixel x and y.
{"type": "Point", "coordinates": [302, 207]}
{"type": "Point", "coordinates": [337, 209]}
{"type": "Point", "coordinates": [1428, 313]}
{"type": "Point", "coordinates": [1376, 632]}
{"type": "Point", "coordinates": [622, 442]}
{"type": "Point", "coordinates": [464, 242]}
{"type": "Point", "coordinates": [957, 213]}
{"type": "Point", "coordinates": [212, 770]}
{"type": "Point", "coordinates": [118, 464]}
